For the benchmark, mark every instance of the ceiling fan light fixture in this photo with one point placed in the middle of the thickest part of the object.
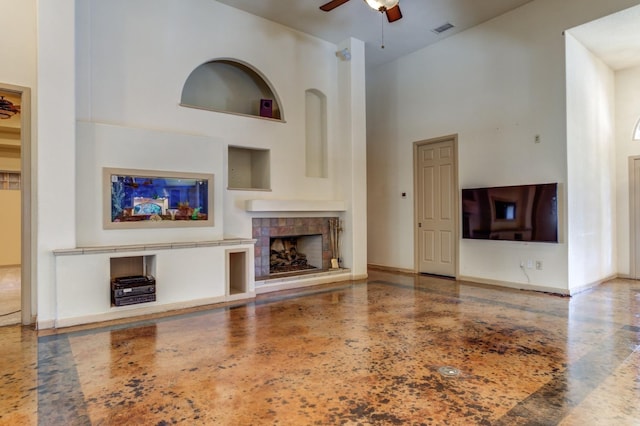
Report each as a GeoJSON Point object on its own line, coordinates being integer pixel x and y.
{"type": "Point", "coordinates": [7, 108]}
{"type": "Point", "coordinates": [382, 5]}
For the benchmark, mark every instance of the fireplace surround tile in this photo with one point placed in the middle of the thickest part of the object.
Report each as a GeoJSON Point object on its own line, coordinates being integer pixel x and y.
{"type": "Point", "coordinates": [265, 228]}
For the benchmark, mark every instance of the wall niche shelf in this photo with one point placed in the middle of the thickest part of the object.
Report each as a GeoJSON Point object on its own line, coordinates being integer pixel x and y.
{"type": "Point", "coordinates": [234, 87]}
{"type": "Point", "coordinates": [249, 169]}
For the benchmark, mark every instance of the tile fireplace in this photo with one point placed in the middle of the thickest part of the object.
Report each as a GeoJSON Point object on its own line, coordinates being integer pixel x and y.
{"type": "Point", "coordinates": [307, 235]}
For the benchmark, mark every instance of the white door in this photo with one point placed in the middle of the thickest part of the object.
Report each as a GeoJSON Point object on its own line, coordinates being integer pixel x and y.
{"type": "Point", "coordinates": [436, 210]}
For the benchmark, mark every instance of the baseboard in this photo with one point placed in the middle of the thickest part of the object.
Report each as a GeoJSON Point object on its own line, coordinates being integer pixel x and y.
{"type": "Point", "coordinates": [514, 285]}
{"type": "Point", "coordinates": [624, 277]}
{"type": "Point", "coordinates": [133, 311]}
{"type": "Point", "coordinates": [593, 284]}
{"type": "Point", "coordinates": [390, 269]}
{"type": "Point", "coordinates": [45, 324]}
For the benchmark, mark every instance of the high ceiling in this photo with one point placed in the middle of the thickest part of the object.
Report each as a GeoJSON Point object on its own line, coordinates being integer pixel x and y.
{"type": "Point", "coordinates": [615, 38]}
{"type": "Point", "coordinates": [356, 19]}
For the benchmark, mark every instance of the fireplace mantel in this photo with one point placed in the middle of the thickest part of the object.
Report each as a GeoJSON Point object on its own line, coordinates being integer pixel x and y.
{"type": "Point", "coordinates": [295, 205]}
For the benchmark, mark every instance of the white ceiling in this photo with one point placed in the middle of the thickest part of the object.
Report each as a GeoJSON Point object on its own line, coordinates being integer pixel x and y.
{"type": "Point", "coordinates": [615, 38]}
{"type": "Point", "coordinates": [356, 19]}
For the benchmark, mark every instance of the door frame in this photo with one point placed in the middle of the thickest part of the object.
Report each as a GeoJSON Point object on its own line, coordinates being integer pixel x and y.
{"type": "Point", "coordinates": [634, 212]}
{"type": "Point", "coordinates": [456, 200]}
{"type": "Point", "coordinates": [27, 256]}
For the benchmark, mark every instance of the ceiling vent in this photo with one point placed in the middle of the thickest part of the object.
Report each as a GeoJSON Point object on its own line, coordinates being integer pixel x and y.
{"type": "Point", "coordinates": [442, 28]}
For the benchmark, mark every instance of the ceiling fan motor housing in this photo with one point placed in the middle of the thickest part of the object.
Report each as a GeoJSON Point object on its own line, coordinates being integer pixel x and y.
{"type": "Point", "coordinates": [382, 5]}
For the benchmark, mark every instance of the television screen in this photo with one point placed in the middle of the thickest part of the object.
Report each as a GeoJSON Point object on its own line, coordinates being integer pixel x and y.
{"type": "Point", "coordinates": [515, 213]}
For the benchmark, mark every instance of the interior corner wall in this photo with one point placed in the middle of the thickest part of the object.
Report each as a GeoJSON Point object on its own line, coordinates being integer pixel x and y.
{"type": "Point", "coordinates": [352, 156]}
{"type": "Point", "coordinates": [591, 186]}
{"type": "Point", "coordinates": [627, 107]}
{"type": "Point", "coordinates": [496, 86]}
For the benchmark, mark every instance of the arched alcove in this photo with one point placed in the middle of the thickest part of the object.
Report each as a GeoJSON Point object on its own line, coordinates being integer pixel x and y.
{"type": "Point", "coordinates": [316, 133]}
{"type": "Point", "coordinates": [227, 85]}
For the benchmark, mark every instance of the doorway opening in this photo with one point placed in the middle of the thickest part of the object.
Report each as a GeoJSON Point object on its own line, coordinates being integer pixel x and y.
{"type": "Point", "coordinates": [15, 193]}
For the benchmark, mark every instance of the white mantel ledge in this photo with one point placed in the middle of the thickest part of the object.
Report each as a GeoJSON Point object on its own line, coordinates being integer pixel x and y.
{"type": "Point", "coordinates": [295, 205]}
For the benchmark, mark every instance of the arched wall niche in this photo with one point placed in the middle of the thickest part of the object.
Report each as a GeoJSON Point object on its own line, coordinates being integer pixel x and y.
{"type": "Point", "coordinates": [231, 86]}
{"type": "Point", "coordinates": [316, 133]}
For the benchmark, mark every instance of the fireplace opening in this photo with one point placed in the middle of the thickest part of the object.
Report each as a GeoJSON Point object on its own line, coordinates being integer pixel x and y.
{"type": "Point", "coordinates": [295, 253]}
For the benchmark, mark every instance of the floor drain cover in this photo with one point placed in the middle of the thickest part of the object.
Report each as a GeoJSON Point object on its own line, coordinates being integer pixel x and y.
{"type": "Point", "coordinates": [448, 371]}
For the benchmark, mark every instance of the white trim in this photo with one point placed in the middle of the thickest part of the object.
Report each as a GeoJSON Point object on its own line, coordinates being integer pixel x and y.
{"type": "Point", "coordinates": [28, 286]}
{"type": "Point", "coordinates": [385, 268]}
{"type": "Point", "coordinates": [517, 286]}
{"type": "Point", "coordinates": [295, 205]}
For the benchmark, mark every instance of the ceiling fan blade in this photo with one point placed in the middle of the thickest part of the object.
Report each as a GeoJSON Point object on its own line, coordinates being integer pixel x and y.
{"type": "Point", "coordinates": [332, 5]}
{"type": "Point", "coordinates": [394, 13]}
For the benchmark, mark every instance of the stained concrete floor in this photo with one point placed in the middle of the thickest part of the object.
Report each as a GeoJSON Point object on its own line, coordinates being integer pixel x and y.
{"type": "Point", "coordinates": [9, 295]}
{"type": "Point", "coordinates": [365, 353]}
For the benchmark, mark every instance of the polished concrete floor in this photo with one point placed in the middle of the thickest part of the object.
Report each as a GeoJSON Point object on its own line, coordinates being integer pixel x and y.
{"type": "Point", "coordinates": [10, 295]}
{"type": "Point", "coordinates": [366, 353]}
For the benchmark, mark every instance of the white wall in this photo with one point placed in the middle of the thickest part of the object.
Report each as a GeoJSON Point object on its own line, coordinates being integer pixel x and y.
{"type": "Point", "coordinates": [55, 150]}
{"type": "Point", "coordinates": [101, 146]}
{"type": "Point", "coordinates": [140, 56]}
{"type": "Point", "coordinates": [496, 85]}
{"type": "Point", "coordinates": [123, 64]}
{"type": "Point", "coordinates": [591, 204]}
{"type": "Point", "coordinates": [627, 108]}
{"type": "Point", "coordinates": [19, 57]}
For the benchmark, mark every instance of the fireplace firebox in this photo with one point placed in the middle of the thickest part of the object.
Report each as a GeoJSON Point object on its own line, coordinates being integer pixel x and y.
{"type": "Point", "coordinates": [295, 253]}
{"type": "Point", "coordinates": [294, 245]}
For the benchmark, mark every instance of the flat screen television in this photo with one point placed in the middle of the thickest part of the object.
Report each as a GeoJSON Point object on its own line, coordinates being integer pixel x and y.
{"type": "Point", "coordinates": [513, 213]}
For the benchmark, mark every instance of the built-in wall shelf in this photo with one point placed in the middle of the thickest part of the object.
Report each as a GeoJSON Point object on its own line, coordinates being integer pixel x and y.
{"type": "Point", "coordinates": [231, 86]}
{"type": "Point", "coordinates": [276, 120]}
{"type": "Point", "coordinates": [295, 205]}
{"type": "Point", "coordinates": [152, 246]}
{"type": "Point", "coordinates": [188, 274]}
{"type": "Point", "coordinates": [249, 169]}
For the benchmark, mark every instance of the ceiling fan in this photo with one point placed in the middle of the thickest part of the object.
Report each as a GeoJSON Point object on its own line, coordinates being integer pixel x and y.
{"type": "Point", "coordinates": [389, 7]}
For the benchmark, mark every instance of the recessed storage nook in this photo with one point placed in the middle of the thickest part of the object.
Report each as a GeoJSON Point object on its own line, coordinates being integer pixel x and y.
{"type": "Point", "coordinates": [231, 86]}
{"type": "Point", "coordinates": [132, 280]}
{"type": "Point", "coordinates": [249, 168]}
{"type": "Point", "coordinates": [237, 272]}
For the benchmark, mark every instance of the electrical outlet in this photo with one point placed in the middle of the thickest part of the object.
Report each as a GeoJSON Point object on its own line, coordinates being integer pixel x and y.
{"type": "Point", "coordinates": [539, 265]}
{"type": "Point", "coordinates": [529, 263]}
{"type": "Point", "coordinates": [537, 139]}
